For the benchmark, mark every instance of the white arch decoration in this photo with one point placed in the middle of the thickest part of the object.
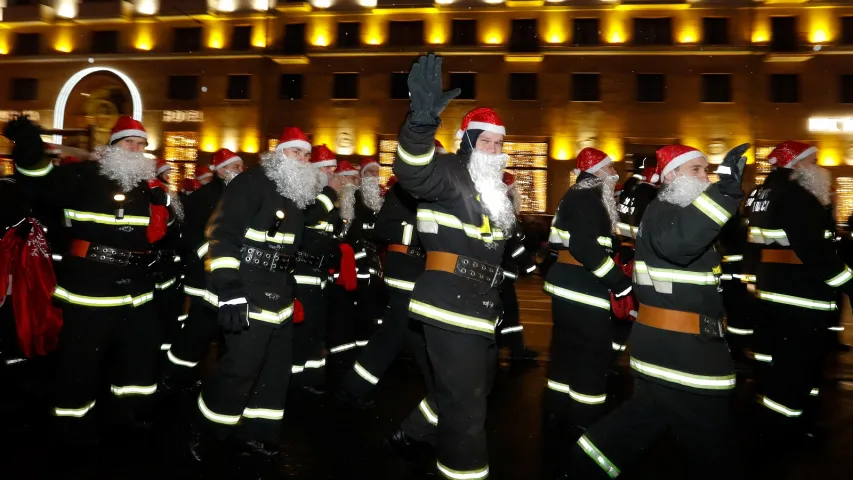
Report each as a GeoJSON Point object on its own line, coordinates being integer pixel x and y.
{"type": "Point", "coordinates": [62, 98]}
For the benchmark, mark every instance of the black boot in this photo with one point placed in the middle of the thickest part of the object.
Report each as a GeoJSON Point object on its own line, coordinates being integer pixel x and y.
{"type": "Point", "coordinates": [316, 390]}
{"type": "Point", "coordinates": [351, 401]}
{"type": "Point", "coordinates": [525, 355]}
{"type": "Point", "coordinates": [402, 445]}
{"type": "Point", "coordinates": [259, 448]}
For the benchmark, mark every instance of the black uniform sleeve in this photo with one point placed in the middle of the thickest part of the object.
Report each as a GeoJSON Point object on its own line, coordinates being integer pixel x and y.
{"type": "Point", "coordinates": [321, 208]}
{"type": "Point", "coordinates": [684, 236]}
{"type": "Point", "coordinates": [584, 246]}
{"type": "Point", "coordinates": [419, 171]}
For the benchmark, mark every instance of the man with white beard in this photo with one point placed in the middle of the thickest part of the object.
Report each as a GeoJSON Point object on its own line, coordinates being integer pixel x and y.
{"type": "Point", "coordinates": [253, 237]}
{"type": "Point", "coordinates": [684, 374]}
{"type": "Point", "coordinates": [463, 217]}
{"type": "Point", "coordinates": [580, 285]}
{"type": "Point", "coordinates": [798, 278]}
{"type": "Point", "coordinates": [102, 283]}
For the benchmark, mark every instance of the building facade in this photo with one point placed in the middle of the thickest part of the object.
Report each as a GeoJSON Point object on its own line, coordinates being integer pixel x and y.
{"type": "Point", "coordinates": [625, 77]}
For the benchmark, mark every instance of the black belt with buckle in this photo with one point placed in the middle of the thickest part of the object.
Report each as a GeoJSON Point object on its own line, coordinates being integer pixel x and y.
{"type": "Point", "coordinates": [271, 261]}
{"type": "Point", "coordinates": [110, 255]}
{"type": "Point", "coordinates": [316, 261]}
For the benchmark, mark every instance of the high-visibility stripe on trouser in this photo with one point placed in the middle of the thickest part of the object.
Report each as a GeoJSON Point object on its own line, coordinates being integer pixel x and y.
{"type": "Point", "coordinates": [216, 417]}
{"type": "Point", "coordinates": [74, 412]}
{"type": "Point", "coordinates": [121, 391]}
{"type": "Point", "coordinates": [463, 474]}
{"type": "Point", "coordinates": [263, 413]}
{"type": "Point", "coordinates": [427, 412]}
{"type": "Point", "coordinates": [779, 408]}
{"type": "Point", "coordinates": [599, 458]}
{"type": "Point", "coordinates": [577, 396]}
{"type": "Point", "coordinates": [363, 373]}
{"type": "Point", "coordinates": [177, 361]}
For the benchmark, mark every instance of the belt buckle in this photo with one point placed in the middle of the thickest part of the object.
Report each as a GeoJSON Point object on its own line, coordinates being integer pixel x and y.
{"type": "Point", "coordinates": [498, 278]}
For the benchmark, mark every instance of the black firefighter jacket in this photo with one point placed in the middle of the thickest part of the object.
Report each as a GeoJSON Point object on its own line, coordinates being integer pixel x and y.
{"type": "Point", "coordinates": [319, 240]}
{"type": "Point", "coordinates": [396, 224]}
{"type": "Point", "coordinates": [198, 208]}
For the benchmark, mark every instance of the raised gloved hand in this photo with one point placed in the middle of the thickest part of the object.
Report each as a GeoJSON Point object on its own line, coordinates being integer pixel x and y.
{"type": "Point", "coordinates": [731, 172]}
{"type": "Point", "coordinates": [29, 148]}
{"type": "Point", "coordinates": [425, 95]}
{"type": "Point", "coordinates": [234, 315]}
{"type": "Point", "coordinates": [158, 193]}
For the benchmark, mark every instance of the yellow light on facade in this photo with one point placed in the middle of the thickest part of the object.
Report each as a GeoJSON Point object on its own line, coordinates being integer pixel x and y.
{"type": "Point", "coordinates": [494, 37]}
{"type": "Point", "coordinates": [63, 42]}
{"type": "Point", "coordinates": [437, 31]}
{"type": "Point", "coordinates": [614, 148]}
{"type": "Point", "coordinates": [146, 7]}
{"type": "Point", "coordinates": [688, 34]}
{"type": "Point", "coordinates": [561, 148]}
{"type": "Point", "coordinates": [4, 44]}
{"type": "Point", "coordinates": [259, 35]}
{"type": "Point", "coordinates": [616, 37]}
{"type": "Point", "coordinates": [215, 40]}
{"type": "Point", "coordinates": [556, 37]}
{"type": "Point", "coordinates": [760, 35]}
{"type": "Point", "coordinates": [320, 40]}
{"type": "Point", "coordinates": [251, 142]}
{"type": "Point", "coordinates": [229, 141]}
{"type": "Point", "coordinates": [443, 2]}
{"type": "Point", "coordinates": [261, 5]}
{"type": "Point", "coordinates": [321, 3]}
{"type": "Point", "coordinates": [373, 30]}
{"type": "Point", "coordinates": [818, 36]}
{"type": "Point", "coordinates": [822, 22]}
{"type": "Point", "coordinates": [144, 38]}
{"type": "Point", "coordinates": [366, 144]}
{"type": "Point", "coordinates": [67, 9]}
{"type": "Point", "coordinates": [829, 157]}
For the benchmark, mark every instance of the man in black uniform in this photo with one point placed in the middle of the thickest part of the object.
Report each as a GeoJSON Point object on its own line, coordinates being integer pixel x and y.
{"type": "Point", "coordinates": [103, 280]}
{"type": "Point", "coordinates": [684, 373]}
{"type": "Point", "coordinates": [462, 215]}
{"type": "Point", "coordinates": [797, 281]}
{"type": "Point", "coordinates": [200, 325]}
{"type": "Point", "coordinates": [253, 235]}
{"type": "Point", "coordinates": [580, 285]}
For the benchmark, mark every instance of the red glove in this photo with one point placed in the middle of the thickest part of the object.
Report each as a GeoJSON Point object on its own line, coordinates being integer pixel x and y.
{"type": "Point", "coordinates": [159, 219]}
{"type": "Point", "coordinates": [298, 311]}
{"type": "Point", "coordinates": [347, 275]}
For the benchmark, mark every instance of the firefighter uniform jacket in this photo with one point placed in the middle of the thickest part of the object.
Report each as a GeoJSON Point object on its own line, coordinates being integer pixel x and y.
{"type": "Point", "coordinates": [785, 216]}
{"type": "Point", "coordinates": [319, 240]}
{"type": "Point", "coordinates": [632, 204]}
{"type": "Point", "coordinates": [360, 237]}
{"type": "Point", "coordinates": [396, 225]}
{"type": "Point", "coordinates": [517, 259]}
{"type": "Point", "coordinates": [245, 231]}
{"type": "Point", "coordinates": [198, 209]}
{"type": "Point", "coordinates": [677, 268]}
{"type": "Point", "coordinates": [93, 215]}
{"type": "Point", "coordinates": [751, 251]}
{"type": "Point", "coordinates": [582, 226]}
{"type": "Point", "coordinates": [450, 219]}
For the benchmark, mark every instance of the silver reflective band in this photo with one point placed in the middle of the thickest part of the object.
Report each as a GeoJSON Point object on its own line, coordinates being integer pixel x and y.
{"type": "Point", "coordinates": [101, 218]}
{"type": "Point", "coordinates": [605, 241]}
{"type": "Point", "coordinates": [177, 361]}
{"type": "Point", "coordinates": [452, 318]}
{"type": "Point", "coordinates": [762, 357]}
{"type": "Point", "coordinates": [39, 172]}
{"type": "Point", "coordinates": [797, 301]}
{"type": "Point", "coordinates": [518, 251]}
{"type": "Point", "coordinates": [559, 236]}
{"type": "Point", "coordinates": [510, 275]}
{"type": "Point", "coordinates": [595, 454]}
{"type": "Point", "coordinates": [605, 268]}
{"type": "Point", "coordinates": [273, 317]}
{"type": "Point", "coordinates": [577, 396]}
{"type": "Point", "coordinates": [102, 301]}
{"type": "Point", "coordinates": [307, 280]}
{"type": "Point", "coordinates": [342, 348]}
{"type": "Point", "coordinates": [407, 233]}
{"type": "Point", "coordinates": [74, 412]}
{"type": "Point", "coordinates": [739, 331]}
{"type": "Point", "coordinates": [168, 283]}
{"type": "Point", "coordinates": [427, 412]}
{"type": "Point", "coordinates": [429, 220]}
{"type": "Point", "coordinates": [841, 278]}
{"type": "Point", "coordinates": [732, 258]}
{"type": "Point", "coordinates": [577, 296]}
{"type": "Point", "coordinates": [516, 328]}
{"type": "Point", "coordinates": [224, 262]}
{"type": "Point", "coordinates": [712, 209]}
{"type": "Point", "coordinates": [166, 346]}
{"type": "Point", "coordinates": [326, 201]}
{"type": "Point", "coordinates": [363, 275]}
{"type": "Point", "coordinates": [133, 390]}
{"type": "Point", "coordinates": [836, 329]}
{"type": "Point", "coordinates": [778, 407]}
{"type": "Point", "coordinates": [400, 284]}
{"type": "Point", "coordinates": [531, 268]}
{"type": "Point", "coordinates": [216, 417]}
{"type": "Point", "coordinates": [815, 392]}
{"type": "Point", "coordinates": [56, 257]}
{"type": "Point", "coordinates": [360, 255]}
{"type": "Point", "coordinates": [263, 413]}
{"type": "Point", "coordinates": [416, 160]}
{"type": "Point", "coordinates": [463, 474]}
{"type": "Point", "coordinates": [202, 250]}
{"type": "Point", "coordinates": [183, 317]}
{"type": "Point", "coordinates": [363, 373]}
{"type": "Point", "coordinates": [280, 238]}
{"type": "Point", "coordinates": [708, 382]}
{"type": "Point", "coordinates": [617, 347]}
{"type": "Point", "coordinates": [360, 343]}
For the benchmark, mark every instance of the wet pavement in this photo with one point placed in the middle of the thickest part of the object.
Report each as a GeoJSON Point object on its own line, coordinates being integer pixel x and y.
{"type": "Point", "coordinates": [324, 441]}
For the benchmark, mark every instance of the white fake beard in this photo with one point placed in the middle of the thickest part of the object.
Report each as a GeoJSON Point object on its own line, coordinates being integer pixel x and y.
{"type": "Point", "coordinates": [487, 173]}
{"type": "Point", "coordinates": [228, 176]}
{"type": "Point", "coordinates": [683, 190]}
{"type": "Point", "coordinates": [293, 179]}
{"type": "Point", "coordinates": [176, 205]}
{"type": "Point", "coordinates": [817, 181]}
{"type": "Point", "coordinates": [371, 193]}
{"type": "Point", "coordinates": [347, 205]}
{"type": "Point", "coordinates": [125, 167]}
{"type": "Point", "coordinates": [515, 198]}
{"type": "Point", "coordinates": [608, 195]}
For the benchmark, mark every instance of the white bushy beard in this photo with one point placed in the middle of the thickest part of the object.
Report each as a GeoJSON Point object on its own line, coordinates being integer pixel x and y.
{"type": "Point", "coordinates": [683, 190]}
{"type": "Point", "coordinates": [176, 205]}
{"type": "Point", "coordinates": [125, 167]}
{"type": "Point", "coordinates": [347, 205]}
{"type": "Point", "coordinates": [515, 198]}
{"type": "Point", "coordinates": [229, 175]}
{"type": "Point", "coordinates": [371, 193]}
{"type": "Point", "coordinates": [486, 171]}
{"type": "Point", "coordinates": [608, 195]}
{"type": "Point", "coordinates": [816, 180]}
{"type": "Point", "coordinates": [293, 179]}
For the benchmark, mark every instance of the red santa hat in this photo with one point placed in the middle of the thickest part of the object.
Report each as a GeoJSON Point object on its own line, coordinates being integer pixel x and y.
{"type": "Point", "coordinates": [368, 163]}
{"type": "Point", "coordinates": [789, 153]}
{"type": "Point", "coordinates": [189, 185]}
{"type": "Point", "coordinates": [224, 157]}
{"type": "Point", "coordinates": [322, 156]}
{"type": "Point", "coordinates": [671, 157]}
{"type": "Point", "coordinates": [127, 127]}
{"type": "Point", "coordinates": [293, 137]}
{"type": "Point", "coordinates": [509, 179]}
{"type": "Point", "coordinates": [162, 167]}
{"type": "Point", "coordinates": [482, 118]}
{"type": "Point", "coordinates": [591, 160]}
{"type": "Point", "coordinates": [439, 148]}
{"type": "Point", "coordinates": [202, 172]}
{"type": "Point", "coordinates": [346, 169]}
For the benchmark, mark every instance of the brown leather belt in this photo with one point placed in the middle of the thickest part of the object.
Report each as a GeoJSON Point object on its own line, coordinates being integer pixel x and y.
{"type": "Point", "coordinates": [780, 256]}
{"type": "Point", "coordinates": [672, 320]}
{"type": "Point", "coordinates": [442, 261]}
{"type": "Point", "coordinates": [406, 250]}
{"type": "Point", "coordinates": [564, 256]}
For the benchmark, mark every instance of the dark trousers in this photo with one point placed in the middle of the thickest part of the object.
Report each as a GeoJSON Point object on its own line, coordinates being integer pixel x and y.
{"type": "Point", "coordinates": [119, 343]}
{"type": "Point", "coordinates": [740, 312]}
{"type": "Point", "coordinates": [341, 328]}
{"type": "Point", "coordinates": [700, 424]}
{"type": "Point", "coordinates": [621, 333]}
{"type": "Point", "coordinates": [383, 348]}
{"type": "Point", "coordinates": [191, 343]}
{"type": "Point", "coordinates": [169, 305]}
{"type": "Point", "coordinates": [369, 308]}
{"type": "Point", "coordinates": [247, 391]}
{"type": "Point", "coordinates": [581, 355]}
{"type": "Point", "coordinates": [454, 414]}
{"type": "Point", "coordinates": [309, 338]}
{"type": "Point", "coordinates": [510, 332]}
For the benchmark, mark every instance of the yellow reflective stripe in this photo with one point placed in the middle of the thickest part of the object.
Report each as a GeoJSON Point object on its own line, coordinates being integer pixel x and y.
{"type": "Point", "coordinates": [307, 280]}
{"type": "Point", "coordinates": [133, 390]}
{"type": "Point", "coordinates": [747, 278]}
{"type": "Point", "coordinates": [281, 238]}
{"type": "Point", "coordinates": [363, 373]}
{"type": "Point", "coordinates": [605, 268]}
{"type": "Point", "coordinates": [595, 454]}
{"type": "Point", "coordinates": [326, 201]}
{"type": "Point", "coordinates": [617, 347]}
{"type": "Point", "coordinates": [732, 258]}
{"type": "Point", "coordinates": [577, 296]}
{"type": "Point", "coordinates": [559, 236]}
{"type": "Point", "coordinates": [708, 382]}
{"type": "Point", "coordinates": [778, 407]}
{"type": "Point", "coordinates": [360, 255]}
{"type": "Point", "coordinates": [168, 283]}
{"type": "Point", "coordinates": [105, 219]}
{"type": "Point", "coordinates": [38, 172]}
{"type": "Point", "coordinates": [623, 229]}
{"type": "Point", "coordinates": [815, 392]}
{"type": "Point", "coordinates": [263, 413]}
{"type": "Point", "coordinates": [216, 417]}
{"type": "Point", "coordinates": [427, 412]}
{"type": "Point", "coordinates": [762, 357]}
{"type": "Point", "coordinates": [102, 301]}
{"type": "Point", "coordinates": [827, 234]}
{"type": "Point", "coordinates": [739, 331]}
{"type": "Point", "coordinates": [712, 209]}
{"type": "Point", "coordinates": [177, 361]}
{"type": "Point", "coordinates": [681, 276]}
{"type": "Point", "coordinates": [482, 232]}
{"type": "Point", "coordinates": [796, 301]}
{"type": "Point", "coordinates": [416, 160]}
{"type": "Point", "coordinates": [463, 474]}
{"type": "Point", "coordinates": [452, 318]}
{"type": "Point", "coordinates": [400, 284]}
{"type": "Point", "coordinates": [224, 262]}
{"type": "Point", "coordinates": [605, 241]}
{"type": "Point", "coordinates": [577, 396]}
{"type": "Point", "coordinates": [273, 317]}
{"type": "Point", "coordinates": [202, 250]}
{"type": "Point", "coordinates": [518, 251]}
{"type": "Point", "coordinates": [841, 278]}
{"type": "Point", "coordinates": [407, 233]}
{"type": "Point", "coordinates": [74, 412]}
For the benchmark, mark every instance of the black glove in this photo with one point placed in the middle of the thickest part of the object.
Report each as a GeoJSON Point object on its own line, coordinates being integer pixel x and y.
{"type": "Point", "coordinates": [425, 95]}
{"type": "Point", "coordinates": [622, 288]}
{"type": "Point", "coordinates": [234, 315]}
{"type": "Point", "coordinates": [29, 148]}
{"type": "Point", "coordinates": [159, 197]}
{"type": "Point", "coordinates": [731, 172]}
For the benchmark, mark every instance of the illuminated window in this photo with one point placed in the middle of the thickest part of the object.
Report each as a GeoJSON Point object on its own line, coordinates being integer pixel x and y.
{"type": "Point", "coordinates": [844, 198]}
{"type": "Point", "coordinates": [7, 166]}
{"type": "Point", "coordinates": [272, 143]}
{"type": "Point", "coordinates": [762, 168]}
{"type": "Point", "coordinates": [181, 153]}
{"type": "Point", "coordinates": [387, 150]}
{"type": "Point", "coordinates": [528, 161]}
{"type": "Point", "coordinates": [573, 178]}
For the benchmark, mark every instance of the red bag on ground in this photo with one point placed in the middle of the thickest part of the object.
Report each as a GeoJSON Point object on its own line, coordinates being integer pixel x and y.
{"type": "Point", "coordinates": [624, 308]}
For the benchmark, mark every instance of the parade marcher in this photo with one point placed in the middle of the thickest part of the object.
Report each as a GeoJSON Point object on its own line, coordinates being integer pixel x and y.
{"type": "Point", "coordinates": [102, 282]}
{"type": "Point", "coordinates": [371, 294]}
{"type": "Point", "coordinates": [203, 175]}
{"type": "Point", "coordinates": [684, 374]}
{"type": "Point", "coordinates": [253, 236]}
{"type": "Point", "coordinates": [463, 213]}
{"type": "Point", "coordinates": [200, 322]}
{"type": "Point", "coordinates": [736, 298]}
{"type": "Point", "coordinates": [797, 281]}
{"type": "Point", "coordinates": [580, 285]}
